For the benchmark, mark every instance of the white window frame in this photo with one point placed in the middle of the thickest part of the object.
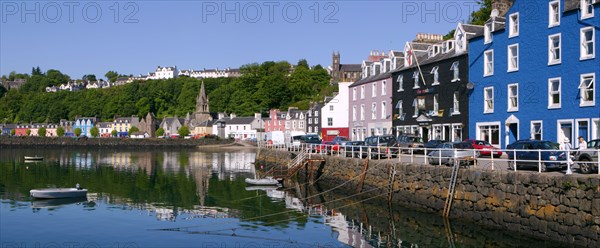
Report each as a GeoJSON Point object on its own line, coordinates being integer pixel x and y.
{"type": "Point", "coordinates": [486, 107]}
{"type": "Point", "coordinates": [400, 81]}
{"type": "Point", "coordinates": [436, 75]}
{"type": "Point", "coordinates": [331, 107]}
{"type": "Point", "coordinates": [416, 78]}
{"type": "Point", "coordinates": [488, 70]}
{"type": "Point", "coordinates": [513, 100]}
{"type": "Point", "coordinates": [330, 121]}
{"type": "Point", "coordinates": [383, 86]}
{"type": "Point", "coordinates": [354, 113]}
{"type": "Point", "coordinates": [532, 132]}
{"type": "Point", "coordinates": [552, 14]}
{"type": "Point", "coordinates": [400, 108]}
{"type": "Point", "coordinates": [373, 111]}
{"type": "Point", "coordinates": [513, 58]}
{"type": "Point", "coordinates": [362, 91]}
{"type": "Point", "coordinates": [583, 55]}
{"type": "Point", "coordinates": [455, 68]}
{"type": "Point", "coordinates": [456, 103]}
{"type": "Point", "coordinates": [551, 104]}
{"type": "Point", "coordinates": [310, 129]}
{"type": "Point", "coordinates": [584, 7]}
{"type": "Point", "coordinates": [436, 103]}
{"type": "Point", "coordinates": [487, 33]}
{"type": "Point", "coordinates": [362, 112]}
{"type": "Point", "coordinates": [354, 94]}
{"type": "Point", "coordinates": [551, 60]}
{"type": "Point", "coordinates": [416, 108]}
{"type": "Point", "coordinates": [488, 126]}
{"type": "Point", "coordinates": [582, 90]}
{"type": "Point", "coordinates": [383, 110]}
{"type": "Point", "coordinates": [373, 89]}
{"type": "Point", "coordinates": [513, 24]}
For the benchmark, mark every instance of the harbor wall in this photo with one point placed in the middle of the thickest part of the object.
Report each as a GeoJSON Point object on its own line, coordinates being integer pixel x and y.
{"type": "Point", "coordinates": [545, 205]}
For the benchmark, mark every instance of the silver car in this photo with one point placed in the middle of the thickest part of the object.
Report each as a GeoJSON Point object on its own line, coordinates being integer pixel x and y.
{"type": "Point", "coordinates": [448, 153]}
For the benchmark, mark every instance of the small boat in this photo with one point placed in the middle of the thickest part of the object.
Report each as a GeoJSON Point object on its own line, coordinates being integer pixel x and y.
{"type": "Point", "coordinates": [34, 158]}
{"type": "Point", "coordinates": [55, 193]}
{"type": "Point", "coordinates": [262, 181]}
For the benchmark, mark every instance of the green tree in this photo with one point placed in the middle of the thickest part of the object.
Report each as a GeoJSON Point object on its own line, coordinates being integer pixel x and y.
{"type": "Point", "coordinates": [60, 132]}
{"type": "Point", "coordinates": [42, 132]}
{"type": "Point", "coordinates": [95, 132]}
{"type": "Point", "coordinates": [77, 132]}
{"type": "Point", "coordinates": [183, 131]}
{"type": "Point", "coordinates": [111, 76]}
{"type": "Point", "coordinates": [89, 77]}
{"type": "Point", "coordinates": [133, 129]}
{"type": "Point", "coordinates": [480, 16]}
{"type": "Point", "coordinates": [28, 132]}
{"type": "Point", "coordinates": [303, 63]}
{"type": "Point", "coordinates": [13, 132]}
{"type": "Point", "coordinates": [114, 133]}
{"type": "Point", "coordinates": [160, 132]}
{"type": "Point", "coordinates": [2, 91]}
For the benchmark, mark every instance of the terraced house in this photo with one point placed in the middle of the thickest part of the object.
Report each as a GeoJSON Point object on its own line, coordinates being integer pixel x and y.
{"type": "Point", "coordinates": [534, 71]}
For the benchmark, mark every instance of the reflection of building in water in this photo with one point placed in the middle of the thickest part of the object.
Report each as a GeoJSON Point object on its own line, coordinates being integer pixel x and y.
{"type": "Point", "coordinates": [229, 164]}
{"type": "Point", "coordinates": [77, 159]}
{"type": "Point", "coordinates": [118, 160]}
{"type": "Point", "coordinates": [347, 233]}
{"type": "Point", "coordinates": [293, 203]}
{"type": "Point", "coordinates": [202, 175]}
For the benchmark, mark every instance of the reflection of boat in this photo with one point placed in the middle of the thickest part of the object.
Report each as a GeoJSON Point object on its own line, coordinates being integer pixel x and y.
{"type": "Point", "coordinates": [262, 181]}
{"type": "Point", "coordinates": [34, 158]}
{"type": "Point", "coordinates": [265, 188]}
{"type": "Point", "coordinates": [270, 189]}
{"type": "Point", "coordinates": [53, 193]}
{"type": "Point", "coordinates": [53, 203]}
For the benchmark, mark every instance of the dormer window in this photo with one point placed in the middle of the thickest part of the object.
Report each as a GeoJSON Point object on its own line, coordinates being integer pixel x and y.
{"type": "Point", "coordinates": [416, 78]}
{"type": "Point", "coordinates": [460, 39]}
{"type": "Point", "coordinates": [487, 30]}
{"type": "Point", "coordinates": [587, 9]}
{"type": "Point", "coordinates": [513, 22]}
{"type": "Point", "coordinates": [436, 75]}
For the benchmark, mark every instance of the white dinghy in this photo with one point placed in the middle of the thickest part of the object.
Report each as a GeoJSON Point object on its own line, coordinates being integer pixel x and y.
{"type": "Point", "coordinates": [54, 193]}
{"type": "Point", "coordinates": [262, 181]}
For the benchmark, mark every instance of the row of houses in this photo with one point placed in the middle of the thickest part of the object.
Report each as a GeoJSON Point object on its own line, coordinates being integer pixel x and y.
{"type": "Point", "coordinates": [77, 85]}
{"type": "Point", "coordinates": [169, 72]}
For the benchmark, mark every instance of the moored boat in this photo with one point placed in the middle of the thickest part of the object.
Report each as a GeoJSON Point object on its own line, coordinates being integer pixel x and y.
{"type": "Point", "coordinates": [34, 158]}
{"type": "Point", "coordinates": [54, 193]}
{"type": "Point", "coordinates": [262, 181]}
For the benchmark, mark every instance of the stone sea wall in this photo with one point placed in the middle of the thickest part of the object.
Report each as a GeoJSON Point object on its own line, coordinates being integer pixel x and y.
{"type": "Point", "coordinates": [548, 205]}
{"type": "Point", "coordinates": [105, 142]}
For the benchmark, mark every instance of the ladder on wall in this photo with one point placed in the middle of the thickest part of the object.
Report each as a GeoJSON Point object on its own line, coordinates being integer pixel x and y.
{"type": "Point", "coordinates": [451, 190]}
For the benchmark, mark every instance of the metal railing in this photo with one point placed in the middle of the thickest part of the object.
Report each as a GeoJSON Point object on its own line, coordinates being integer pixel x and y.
{"type": "Point", "coordinates": [492, 159]}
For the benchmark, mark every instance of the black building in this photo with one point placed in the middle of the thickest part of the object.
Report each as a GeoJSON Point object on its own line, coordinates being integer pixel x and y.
{"type": "Point", "coordinates": [312, 119]}
{"type": "Point", "coordinates": [433, 102]}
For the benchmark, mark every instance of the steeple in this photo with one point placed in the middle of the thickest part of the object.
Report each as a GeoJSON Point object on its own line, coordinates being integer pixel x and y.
{"type": "Point", "coordinates": [202, 101]}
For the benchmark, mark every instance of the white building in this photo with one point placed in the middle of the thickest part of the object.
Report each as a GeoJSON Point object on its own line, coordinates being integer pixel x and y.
{"type": "Point", "coordinates": [164, 73]}
{"type": "Point", "coordinates": [242, 128]}
{"type": "Point", "coordinates": [335, 114]}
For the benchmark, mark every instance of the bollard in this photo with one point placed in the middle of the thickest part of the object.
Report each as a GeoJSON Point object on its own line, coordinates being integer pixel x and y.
{"type": "Point", "coordinates": [515, 160]}
{"type": "Point", "coordinates": [539, 161]}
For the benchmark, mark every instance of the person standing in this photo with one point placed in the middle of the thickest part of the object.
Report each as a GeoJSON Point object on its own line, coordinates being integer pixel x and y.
{"type": "Point", "coordinates": [582, 143]}
{"type": "Point", "coordinates": [568, 153]}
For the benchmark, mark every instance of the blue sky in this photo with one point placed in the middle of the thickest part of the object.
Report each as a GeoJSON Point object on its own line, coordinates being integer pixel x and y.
{"type": "Point", "coordinates": [92, 37]}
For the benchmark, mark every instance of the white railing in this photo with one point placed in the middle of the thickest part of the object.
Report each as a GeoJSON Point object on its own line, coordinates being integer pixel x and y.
{"type": "Point", "coordinates": [504, 159]}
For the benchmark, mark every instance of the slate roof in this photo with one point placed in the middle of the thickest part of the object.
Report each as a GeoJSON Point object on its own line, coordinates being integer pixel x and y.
{"type": "Point", "coordinates": [351, 67]}
{"type": "Point", "coordinates": [419, 46]}
{"type": "Point", "coordinates": [371, 79]}
{"type": "Point", "coordinates": [238, 120]}
{"type": "Point", "coordinates": [208, 123]}
{"type": "Point", "coordinates": [396, 53]}
{"type": "Point", "coordinates": [472, 31]}
{"type": "Point", "coordinates": [499, 23]}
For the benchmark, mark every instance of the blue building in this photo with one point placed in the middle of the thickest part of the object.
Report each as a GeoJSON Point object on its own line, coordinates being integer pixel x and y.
{"type": "Point", "coordinates": [535, 69]}
{"type": "Point", "coordinates": [85, 124]}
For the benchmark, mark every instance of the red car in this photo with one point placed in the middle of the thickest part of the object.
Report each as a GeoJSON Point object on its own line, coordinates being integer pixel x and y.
{"type": "Point", "coordinates": [484, 148]}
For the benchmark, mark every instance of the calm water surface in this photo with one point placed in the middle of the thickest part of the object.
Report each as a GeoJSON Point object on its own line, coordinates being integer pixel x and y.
{"type": "Point", "coordinates": [191, 198]}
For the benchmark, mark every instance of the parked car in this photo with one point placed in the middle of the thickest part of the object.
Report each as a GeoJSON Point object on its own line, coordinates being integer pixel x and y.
{"type": "Point", "coordinates": [587, 159]}
{"type": "Point", "coordinates": [410, 141]}
{"type": "Point", "coordinates": [527, 153]}
{"type": "Point", "coordinates": [335, 145]}
{"type": "Point", "coordinates": [311, 141]}
{"type": "Point", "coordinates": [448, 153]}
{"type": "Point", "coordinates": [484, 148]}
{"type": "Point", "coordinates": [384, 146]}
{"type": "Point", "coordinates": [352, 148]}
{"type": "Point", "coordinates": [433, 143]}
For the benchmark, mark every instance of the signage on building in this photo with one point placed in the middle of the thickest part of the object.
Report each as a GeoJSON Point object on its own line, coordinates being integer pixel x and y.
{"type": "Point", "coordinates": [426, 91]}
{"type": "Point", "coordinates": [333, 132]}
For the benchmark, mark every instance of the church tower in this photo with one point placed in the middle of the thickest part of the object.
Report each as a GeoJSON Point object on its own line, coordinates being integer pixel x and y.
{"type": "Point", "coordinates": [202, 111]}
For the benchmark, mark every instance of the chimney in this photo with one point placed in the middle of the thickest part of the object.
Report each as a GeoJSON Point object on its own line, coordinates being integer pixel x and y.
{"type": "Point", "coordinates": [221, 115]}
{"type": "Point", "coordinates": [502, 6]}
{"type": "Point", "coordinates": [257, 116]}
{"type": "Point", "coordinates": [232, 115]}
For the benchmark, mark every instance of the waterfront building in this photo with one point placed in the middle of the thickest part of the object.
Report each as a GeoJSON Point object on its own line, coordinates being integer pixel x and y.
{"type": "Point", "coordinates": [334, 114]}
{"type": "Point", "coordinates": [240, 128]}
{"type": "Point", "coordinates": [431, 89]}
{"type": "Point", "coordinates": [105, 129]}
{"type": "Point", "coordinates": [5, 129]}
{"type": "Point", "coordinates": [313, 124]}
{"type": "Point", "coordinates": [171, 126]}
{"type": "Point", "coordinates": [149, 124]}
{"type": "Point", "coordinates": [371, 97]}
{"type": "Point", "coordinates": [85, 124]}
{"type": "Point", "coordinates": [536, 79]}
